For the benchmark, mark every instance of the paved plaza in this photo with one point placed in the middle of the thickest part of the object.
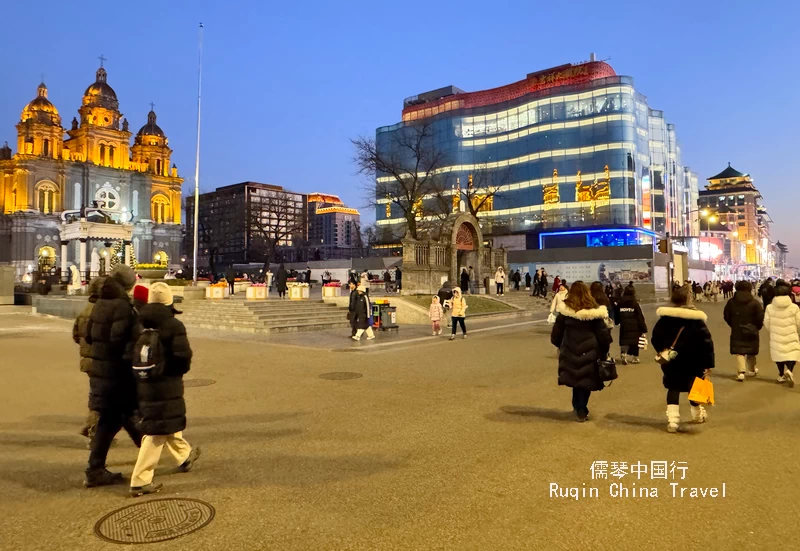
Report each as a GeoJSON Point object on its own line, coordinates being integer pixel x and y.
{"type": "Point", "coordinates": [437, 445]}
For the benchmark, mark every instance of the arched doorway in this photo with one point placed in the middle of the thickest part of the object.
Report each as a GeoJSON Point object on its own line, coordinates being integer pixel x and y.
{"type": "Point", "coordinates": [466, 246]}
{"type": "Point", "coordinates": [161, 258]}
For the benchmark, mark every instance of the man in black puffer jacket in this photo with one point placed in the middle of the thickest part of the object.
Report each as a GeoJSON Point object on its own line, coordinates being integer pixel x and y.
{"type": "Point", "coordinates": [745, 316]}
{"type": "Point", "coordinates": [112, 388]}
{"type": "Point", "coordinates": [162, 409]}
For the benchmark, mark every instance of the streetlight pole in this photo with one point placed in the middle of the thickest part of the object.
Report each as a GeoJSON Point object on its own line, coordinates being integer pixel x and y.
{"type": "Point", "coordinates": [197, 156]}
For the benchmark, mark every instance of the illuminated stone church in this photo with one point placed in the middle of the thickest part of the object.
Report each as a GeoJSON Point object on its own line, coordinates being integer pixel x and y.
{"type": "Point", "coordinates": [70, 200]}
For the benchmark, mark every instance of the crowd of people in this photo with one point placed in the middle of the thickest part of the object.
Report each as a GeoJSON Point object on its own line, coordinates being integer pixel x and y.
{"type": "Point", "coordinates": [135, 352]}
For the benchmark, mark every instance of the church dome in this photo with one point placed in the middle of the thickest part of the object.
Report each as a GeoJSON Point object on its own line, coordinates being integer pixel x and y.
{"type": "Point", "coordinates": [100, 94]}
{"type": "Point", "coordinates": [150, 129]}
{"type": "Point", "coordinates": [41, 110]}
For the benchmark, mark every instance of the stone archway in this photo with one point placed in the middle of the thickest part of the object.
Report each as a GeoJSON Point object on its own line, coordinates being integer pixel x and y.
{"type": "Point", "coordinates": [466, 247]}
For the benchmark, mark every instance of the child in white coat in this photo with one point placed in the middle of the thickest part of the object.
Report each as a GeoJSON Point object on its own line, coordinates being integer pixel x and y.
{"type": "Point", "coordinates": [435, 313]}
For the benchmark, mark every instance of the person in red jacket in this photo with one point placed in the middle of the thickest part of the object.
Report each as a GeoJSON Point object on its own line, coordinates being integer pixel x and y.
{"type": "Point", "coordinates": [556, 283]}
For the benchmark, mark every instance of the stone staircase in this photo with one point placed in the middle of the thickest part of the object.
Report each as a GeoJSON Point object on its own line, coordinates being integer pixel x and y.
{"type": "Point", "coordinates": [262, 316]}
{"type": "Point", "coordinates": [521, 299]}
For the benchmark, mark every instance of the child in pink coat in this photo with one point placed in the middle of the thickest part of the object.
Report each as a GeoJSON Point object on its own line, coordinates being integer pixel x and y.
{"type": "Point", "coordinates": [435, 314]}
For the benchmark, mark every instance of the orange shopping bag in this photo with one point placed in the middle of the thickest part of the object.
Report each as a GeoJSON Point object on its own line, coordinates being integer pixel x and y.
{"type": "Point", "coordinates": [702, 392]}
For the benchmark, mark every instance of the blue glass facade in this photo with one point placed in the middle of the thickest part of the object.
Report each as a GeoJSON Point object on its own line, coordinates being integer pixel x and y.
{"type": "Point", "coordinates": [600, 129]}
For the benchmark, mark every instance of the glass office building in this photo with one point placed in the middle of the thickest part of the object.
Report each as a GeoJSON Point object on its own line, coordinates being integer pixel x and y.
{"type": "Point", "coordinates": [574, 149]}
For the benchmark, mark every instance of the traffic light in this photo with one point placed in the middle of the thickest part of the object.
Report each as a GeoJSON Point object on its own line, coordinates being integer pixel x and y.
{"type": "Point", "coordinates": [663, 246]}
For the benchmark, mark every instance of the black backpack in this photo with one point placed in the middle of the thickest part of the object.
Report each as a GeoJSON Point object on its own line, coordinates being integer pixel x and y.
{"type": "Point", "coordinates": [148, 356]}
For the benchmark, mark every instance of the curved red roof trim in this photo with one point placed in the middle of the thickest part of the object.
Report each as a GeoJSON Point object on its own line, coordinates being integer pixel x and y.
{"type": "Point", "coordinates": [551, 78]}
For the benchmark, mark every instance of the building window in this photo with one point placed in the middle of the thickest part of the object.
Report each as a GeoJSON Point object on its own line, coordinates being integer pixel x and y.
{"type": "Point", "coordinates": [102, 154]}
{"type": "Point", "coordinates": [46, 148]}
{"type": "Point", "coordinates": [46, 197]}
{"type": "Point", "coordinates": [111, 156]}
{"type": "Point", "coordinates": [107, 198]}
{"type": "Point", "coordinates": [159, 167]}
{"type": "Point", "coordinates": [160, 206]}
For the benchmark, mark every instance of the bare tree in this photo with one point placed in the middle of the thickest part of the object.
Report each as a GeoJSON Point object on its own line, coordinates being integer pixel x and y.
{"type": "Point", "coordinates": [275, 223]}
{"type": "Point", "coordinates": [412, 162]}
{"type": "Point", "coordinates": [482, 186]}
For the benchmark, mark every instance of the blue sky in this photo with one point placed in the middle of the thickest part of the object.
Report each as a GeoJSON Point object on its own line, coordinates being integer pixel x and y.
{"type": "Point", "coordinates": [286, 86]}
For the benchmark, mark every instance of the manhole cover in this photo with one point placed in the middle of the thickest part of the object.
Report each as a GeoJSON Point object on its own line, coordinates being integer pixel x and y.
{"type": "Point", "coordinates": [340, 376]}
{"type": "Point", "coordinates": [154, 520]}
{"type": "Point", "coordinates": [198, 382]}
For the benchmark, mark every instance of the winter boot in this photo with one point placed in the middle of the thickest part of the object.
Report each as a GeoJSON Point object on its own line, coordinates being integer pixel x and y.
{"type": "Point", "coordinates": [673, 417]}
{"type": "Point", "coordinates": [187, 465]}
{"type": "Point", "coordinates": [151, 488]}
{"type": "Point", "coordinates": [101, 477]}
{"type": "Point", "coordinates": [699, 414]}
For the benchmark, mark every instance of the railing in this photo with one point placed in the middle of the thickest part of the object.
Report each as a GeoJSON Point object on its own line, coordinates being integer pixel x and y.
{"type": "Point", "coordinates": [421, 254]}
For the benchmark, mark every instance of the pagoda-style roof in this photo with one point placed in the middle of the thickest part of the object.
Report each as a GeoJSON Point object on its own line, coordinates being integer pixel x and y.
{"type": "Point", "coordinates": [729, 172]}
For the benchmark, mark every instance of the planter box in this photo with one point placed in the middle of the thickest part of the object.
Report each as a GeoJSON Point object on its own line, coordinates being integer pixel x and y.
{"type": "Point", "coordinates": [194, 293]}
{"type": "Point", "coordinates": [217, 292]}
{"type": "Point", "coordinates": [331, 292]}
{"type": "Point", "coordinates": [256, 293]}
{"type": "Point", "coordinates": [240, 286]}
{"type": "Point", "coordinates": [152, 274]}
{"type": "Point", "coordinates": [298, 292]}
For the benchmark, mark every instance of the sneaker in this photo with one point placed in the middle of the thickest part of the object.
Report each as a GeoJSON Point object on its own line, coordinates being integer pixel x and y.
{"type": "Point", "coordinates": [789, 376]}
{"type": "Point", "coordinates": [781, 379]}
{"type": "Point", "coordinates": [752, 373]}
{"type": "Point", "coordinates": [452, 337]}
{"type": "Point", "coordinates": [151, 488]}
{"type": "Point", "coordinates": [371, 338]}
{"type": "Point", "coordinates": [634, 360]}
{"type": "Point", "coordinates": [623, 359]}
{"type": "Point", "coordinates": [355, 338]}
{"type": "Point", "coordinates": [465, 336]}
{"type": "Point", "coordinates": [740, 377]}
{"type": "Point", "coordinates": [187, 465]}
{"type": "Point", "coordinates": [101, 477]}
{"type": "Point", "coordinates": [433, 334]}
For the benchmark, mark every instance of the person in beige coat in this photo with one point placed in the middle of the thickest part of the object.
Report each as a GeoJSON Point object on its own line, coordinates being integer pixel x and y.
{"type": "Point", "coordinates": [459, 311]}
{"type": "Point", "coordinates": [782, 321]}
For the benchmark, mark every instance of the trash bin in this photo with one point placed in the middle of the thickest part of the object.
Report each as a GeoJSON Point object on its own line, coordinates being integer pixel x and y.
{"type": "Point", "coordinates": [389, 317]}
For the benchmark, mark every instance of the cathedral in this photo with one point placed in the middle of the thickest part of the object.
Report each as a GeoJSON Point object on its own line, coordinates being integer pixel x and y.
{"type": "Point", "coordinates": [81, 198]}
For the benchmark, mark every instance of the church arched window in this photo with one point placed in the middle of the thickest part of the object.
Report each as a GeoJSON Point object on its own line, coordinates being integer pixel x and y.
{"type": "Point", "coordinates": [160, 208]}
{"type": "Point", "coordinates": [46, 148]}
{"type": "Point", "coordinates": [46, 197]}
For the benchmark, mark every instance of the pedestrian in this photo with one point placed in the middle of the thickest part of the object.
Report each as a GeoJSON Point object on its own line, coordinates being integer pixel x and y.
{"type": "Point", "coordinates": [363, 315]}
{"type": "Point", "coordinates": [632, 326]}
{"type": "Point", "coordinates": [435, 313]}
{"type": "Point", "coordinates": [556, 283]}
{"type": "Point", "coordinates": [558, 301]}
{"type": "Point", "coordinates": [745, 316]}
{"type": "Point", "coordinates": [230, 277]}
{"type": "Point", "coordinates": [536, 279]}
{"type": "Point", "coordinates": [464, 280]}
{"type": "Point", "coordinates": [527, 281]}
{"type": "Point", "coordinates": [682, 327]}
{"type": "Point", "coordinates": [782, 320]}
{"type": "Point", "coordinates": [445, 295]}
{"type": "Point", "coordinates": [459, 306]}
{"type": "Point", "coordinates": [517, 278]}
{"type": "Point", "coordinates": [617, 293]}
{"type": "Point", "coordinates": [308, 275]}
{"type": "Point", "coordinates": [471, 273]}
{"type": "Point", "coordinates": [85, 350]}
{"type": "Point", "coordinates": [351, 308]}
{"type": "Point", "coordinates": [598, 294]}
{"type": "Point", "coordinates": [280, 281]}
{"type": "Point", "coordinates": [766, 292]}
{"type": "Point", "coordinates": [387, 280]}
{"type": "Point", "coordinates": [140, 295]}
{"type": "Point", "coordinates": [582, 339]}
{"type": "Point", "coordinates": [543, 284]}
{"type": "Point", "coordinates": [162, 356]}
{"type": "Point", "coordinates": [499, 280]}
{"type": "Point", "coordinates": [364, 282]}
{"type": "Point", "coordinates": [112, 388]}
{"type": "Point", "coordinates": [398, 277]}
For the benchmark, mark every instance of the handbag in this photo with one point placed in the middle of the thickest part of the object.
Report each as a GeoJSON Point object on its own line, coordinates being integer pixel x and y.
{"type": "Point", "coordinates": [551, 319]}
{"type": "Point", "coordinates": [702, 392]}
{"type": "Point", "coordinates": [607, 370]}
{"type": "Point", "coordinates": [666, 356]}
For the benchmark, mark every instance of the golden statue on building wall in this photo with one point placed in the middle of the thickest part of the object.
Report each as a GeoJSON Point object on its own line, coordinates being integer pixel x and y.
{"type": "Point", "coordinates": [550, 193]}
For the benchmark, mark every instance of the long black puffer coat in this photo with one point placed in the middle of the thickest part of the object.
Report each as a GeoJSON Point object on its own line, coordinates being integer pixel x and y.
{"type": "Point", "coordinates": [582, 338]}
{"type": "Point", "coordinates": [110, 333]}
{"type": "Point", "coordinates": [362, 311]}
{"type": "Point", "coordinates": [631, 321]}
{"type": "Point", "coordinates": [694, 347]}
{"type": "Point", "coordinates": [745, 316]}
{"type": "Point", "coordinates": [161, 406]}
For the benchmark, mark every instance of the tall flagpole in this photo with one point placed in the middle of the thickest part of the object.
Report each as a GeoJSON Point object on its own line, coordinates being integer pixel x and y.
{"type": "Point", "coordinates": [197, 155]}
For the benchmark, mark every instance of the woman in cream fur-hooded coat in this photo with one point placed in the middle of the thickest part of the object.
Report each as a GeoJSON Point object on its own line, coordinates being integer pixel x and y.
{"type": "Point", "coordinates": [782, 320]}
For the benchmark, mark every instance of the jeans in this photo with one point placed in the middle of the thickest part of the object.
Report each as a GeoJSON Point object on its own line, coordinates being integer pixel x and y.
{"type": "Point", "coordinates": [459, 321]}
{"type": "Point", "coordinates": [499, 288]}
{"type": "Point", "coordinates": [785, 365]}
{"type": "Point", "coordinates": [109, 423]}
{"type": "Point", "coordinates": [673, 398]}
{"type": "Point", "coordinates": [747, 362]}
{"type": "Point", "coordinates": [230, 286]}
{"type": "Point", "coordinates": [580, 399]}
{"type": "Point", "coordinates": [471, 287]}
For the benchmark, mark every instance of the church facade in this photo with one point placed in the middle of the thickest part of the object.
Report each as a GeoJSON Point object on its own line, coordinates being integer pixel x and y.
{"type": "Point", "coordinates": [60, 178]}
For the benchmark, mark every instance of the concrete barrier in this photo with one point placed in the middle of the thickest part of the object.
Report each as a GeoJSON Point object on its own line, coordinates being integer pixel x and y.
{"type": "Point", "coordinates": [63, 307]}
{"type": "Point", "coordinates": [6, 284]}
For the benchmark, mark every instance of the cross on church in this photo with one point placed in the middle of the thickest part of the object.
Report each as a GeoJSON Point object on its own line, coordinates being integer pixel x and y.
{"type": "Point", "coordinates": [152, 106]}
{"type": "Point", "coordinates": [102, 59]}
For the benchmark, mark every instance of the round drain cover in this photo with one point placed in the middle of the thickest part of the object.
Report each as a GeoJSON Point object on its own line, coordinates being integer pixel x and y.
{"type": "Point", "coordinates": [154, 520]}
{"type": "Point", "coordinates": [340, 376]}
{"type": "Point", "coordinates": [198, 382]}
